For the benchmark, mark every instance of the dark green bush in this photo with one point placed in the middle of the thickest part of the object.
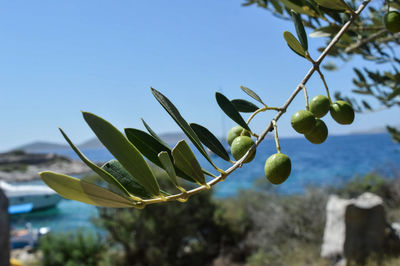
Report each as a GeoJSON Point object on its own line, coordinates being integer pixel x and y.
{"type": "Point", "coordinates": [73, 248]}
{"type": "Point", "coordinates": [169, 234]}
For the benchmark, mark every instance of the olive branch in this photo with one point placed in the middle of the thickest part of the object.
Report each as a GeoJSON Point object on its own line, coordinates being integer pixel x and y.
{"type": "Point", "coordinates": [131, 182]}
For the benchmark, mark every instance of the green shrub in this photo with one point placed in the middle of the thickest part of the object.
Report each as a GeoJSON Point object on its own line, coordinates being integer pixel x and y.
{"type": "Point", "coordinates": [79, 248]}
{"type": "Point", "coordinates": [168, 234]}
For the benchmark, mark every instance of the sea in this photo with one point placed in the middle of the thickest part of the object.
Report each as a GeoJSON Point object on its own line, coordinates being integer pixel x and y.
{"type": "Point", "coordinates": [333, 163]}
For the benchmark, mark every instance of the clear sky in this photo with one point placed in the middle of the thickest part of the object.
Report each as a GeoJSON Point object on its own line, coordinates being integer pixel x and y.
{"type": "Point", "coordinates": [60, 57]}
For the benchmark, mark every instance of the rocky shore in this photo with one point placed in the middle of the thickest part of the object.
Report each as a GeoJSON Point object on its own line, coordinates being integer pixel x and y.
{"type": "Point", "coordinates": [19, 166]}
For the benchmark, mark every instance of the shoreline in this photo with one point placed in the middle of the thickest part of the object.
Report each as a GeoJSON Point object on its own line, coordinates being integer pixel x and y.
{"type": "Point", "coordinates": [19, 166]}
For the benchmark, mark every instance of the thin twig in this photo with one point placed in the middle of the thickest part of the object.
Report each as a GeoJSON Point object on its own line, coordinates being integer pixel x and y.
{"type": "Point", "coordinates": [356, 45]}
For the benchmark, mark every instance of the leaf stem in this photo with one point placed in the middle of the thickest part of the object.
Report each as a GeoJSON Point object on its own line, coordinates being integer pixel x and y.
{"type": "Point", "coordinates": [262, 109]}
{"type": "Point", "coordinates": [325, 84]}
{"type": "Point", "coordinates": [278, 146]}
{"type": "Point", "coordinates": [306, 98]}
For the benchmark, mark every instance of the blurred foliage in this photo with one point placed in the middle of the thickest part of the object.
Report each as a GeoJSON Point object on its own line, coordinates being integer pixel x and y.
{"type": "Point", "coordinates": [257, 227]}
{"type": "Point", "coordinates": [170, 234]}
{"type": "Point", "coordinates": [13, 167]}
{"type": "Point", "coordinates": [367, 38]}
{"type": "Point", "coordinates": [388, 189]}
{"type": "Point", "coordinates": [71, 249]}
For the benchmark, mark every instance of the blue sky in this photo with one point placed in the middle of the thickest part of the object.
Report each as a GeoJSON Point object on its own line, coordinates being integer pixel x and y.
{"type": "Point", "coordinates": [60, 57]}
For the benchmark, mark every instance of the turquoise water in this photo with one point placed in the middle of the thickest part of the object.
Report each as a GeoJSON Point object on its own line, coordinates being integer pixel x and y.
{"type": "Point", "coordinates": [332, 163]}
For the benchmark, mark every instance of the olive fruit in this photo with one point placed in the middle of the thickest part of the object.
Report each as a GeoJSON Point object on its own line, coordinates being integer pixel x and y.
{"type": "Point", "coordinates": [319, 106]}
{"type": "Point", "coordinates": [303, 121]}
{"type": "Point", "coordinates": [236, 132]}
{"type": "Point", "coordinates": [319, 134]}
{"type": "Point", "coordinates": [240, 146]}
{"type": "Point", "coordinates": [342, 112]}
{"type": "Point", "coordinates": [277, 168]}
{"type": "Point", "coordinates": [391, 20]}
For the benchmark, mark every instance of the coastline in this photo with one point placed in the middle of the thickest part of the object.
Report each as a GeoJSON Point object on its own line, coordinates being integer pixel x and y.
{"type": "Point", "coordinates": [19, 166]}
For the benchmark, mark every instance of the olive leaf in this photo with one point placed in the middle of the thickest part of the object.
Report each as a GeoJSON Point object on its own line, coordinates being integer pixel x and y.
{"type": "Point", "coordinates": [168, 166]}
{"type": "Point", "coordinates": [294, 44]}
{"type": "Point", "coordinates": [150, 147]}
{"type": "Point", "coordinates": [210, 141]}
{"type": "Point", "coordinates": [298, 7]}
{"type": "Point", "coordinates": [360, 75]}
{"type": "Point", "coordinates": [174, 113]}
{"type": "Point", "coordinates": [252, 94]}
{"type": "Point", "coordinates": [301, 33]}
{"type": "Point", "coordinates": [339, 5]}
{"type": "Point", "coordinates": [277, 6]}
{"type": "Point", "coordinates": [154, 134]}
{"type": "Point", "coordinates": [184, 159]}
{"type": "Point", "coordinates": [102, 173]}
{"type": "Point", "coordinates": [244, 106]}
{"type": "Point", "coordinates": [115, 169]}
{"type": "Point", "coordinates": [396, 92]}
{"type": "Point", "coordinates": [124, 151]}
{"type": "Point", "coordinates": [325, 31]}
{"type": "Point", "coordinates": [80, 190]}
{"type": "Point", "coordinates": [230, 110]}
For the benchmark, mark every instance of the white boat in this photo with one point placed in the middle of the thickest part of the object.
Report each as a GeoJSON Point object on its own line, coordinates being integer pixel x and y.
{"type": "Point", "coordinates": [28, 236]}
{"type": "Point", "coordinates": [27, 198]}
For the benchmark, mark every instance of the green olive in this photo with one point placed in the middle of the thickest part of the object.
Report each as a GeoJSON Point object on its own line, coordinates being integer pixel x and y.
{"type": "Point", "coordinates": [319, 106]}
{"type": "Point", "coordinates": [277, 168]}
{"type": "Point", "coordinates": [391, 20]}
{"type": "Point", "coordinates": [240, 146]}
{"type": "Point", "coordinates": [236, 132]}
{"type": "Point", "coordinates": [319, 134]}
{"type": "Point", "coordinates": [342, 112]}
{"type": "Point", "coordinates": [303, 121]}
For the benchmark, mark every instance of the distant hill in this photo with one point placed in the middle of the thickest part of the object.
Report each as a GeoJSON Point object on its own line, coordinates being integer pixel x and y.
{"type": "Point", "coordinates": [171, 138]}
{"type": "Point", "coordinates": [375, 130]}
{"type": "Point", "coordinates": [94, 143]}
{"type": "Point", "coordinates": [39, 146]}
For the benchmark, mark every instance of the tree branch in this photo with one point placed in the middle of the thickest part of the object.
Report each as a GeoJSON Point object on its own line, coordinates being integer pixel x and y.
{"type": "Point", "coordinates": [356, 45]}
{"type": "Point", "coordinates": [269, 128]}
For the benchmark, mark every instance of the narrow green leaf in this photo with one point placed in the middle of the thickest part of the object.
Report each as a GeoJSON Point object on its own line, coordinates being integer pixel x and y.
{"type": "Point", "coordinates": [252, 94]}
{"type": "Point", "coordinates": [330, 66]}
{"type": "Point", "coordinates": [174, 113]}
{"type": "Point", "coordinates": [332, 4]}
{"type": "Point", "coordinates": [168, 166]}
{"type": "Point", "coordinates": [80, 190]}
{"type": "Point", "coordinates": [184, 159]}
{"type": "Point", "coordinates": [366, 105]}
{"type": "Point", "coordinates": [102, 173]}
{"type": "Point", "coordinates": [244, 106]}
{"type": "Point", "coordinates": [277, 6]}
{"type": "Point", "coordinates": [150, 147]}
{"type": "Point", "coordinates": [359, 75]}
{"type": "Point", "coordinates": [294, 44]}
{"type": "Point", "coordinates": [299, 7]}
{"type": "Point", "coordinates": [364, 92]}
{"type": "Point", "coordinates": [396, 92]}
{"type": "Point", "coordinates": [230, 110]}
{"type": "Point", "coordinates": [114, 168]}
{"type": "Point", "coordinates": [147, 145]}
{"type": "Point", "coordinates": [325, 31]}
{"type": "Point", "coordinates": [123, 151]}
{"type": "Point", "coordinates": [301, 33]}
{"type": "Point", "coordinates": [210, 141]}
{"type": "Point", "coordinates": [154, 134]}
